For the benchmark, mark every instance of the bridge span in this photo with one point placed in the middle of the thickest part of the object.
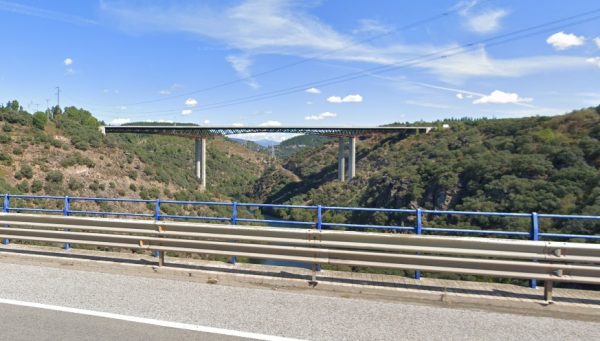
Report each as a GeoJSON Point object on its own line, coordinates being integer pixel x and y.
{"type": "Point", "coordinates": [201, 134]}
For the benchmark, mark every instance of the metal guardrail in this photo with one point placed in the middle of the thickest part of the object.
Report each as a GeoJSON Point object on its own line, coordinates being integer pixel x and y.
{"type": "Point", "coordinates": [155, 209]}
{"type": "Point", "coordinates": [541, 260]}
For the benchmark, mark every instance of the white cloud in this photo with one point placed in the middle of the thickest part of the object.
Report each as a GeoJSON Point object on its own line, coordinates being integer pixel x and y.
{"type": "Point", "coordinates": [44, 13]}
{"type": "Point", "coordinates": [371, 26]}
{"type": "Point", "coordinates": [427, 104]}
{"type": "Point", "coordinates": [174, 87]}
{"type": "Point", "coordinates": [191, 102]}
{"type": "Point", "coordinates": [270, 124]}
{"type": "Point", "coordinates": [501, 97]}
{"type": "Point", "coordinates": [68, 61]}
{"type": "Point", "coordinates": [352, 99]}
{"type": "Point", "coordinates": [186, 112]}
{"type": "Point", "coordinates": [462, 95]}
{"type": "Point", "coordinates": [241, 65]}
{"type": "Point", "coordinates": [347, 99]}
{"type": "Point", "coordinates": [119, 121]}
{"type": "Point", "coordinates": [206, 121]}
{"type": "Point", "coordinates": [288, 28]}
{"type": "Point", "coordinates": [485, 22]}
{"type": "Point", "coordinates": [123, 107]}
{"type": "Point", "coordinates": [313, 91]}
{"type": "Point", "coordinates": [320, 116]}
{"type": "Point", "coordinates": [478, 64]}
{"type": "Point", "coordinates": [597, 41]}
{"type": "Point", "coordinates": [563, 41]}
{"type": "Point", "coordinates": [594, 60]}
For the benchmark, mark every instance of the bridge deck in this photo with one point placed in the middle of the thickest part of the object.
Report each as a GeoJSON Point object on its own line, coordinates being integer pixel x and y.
{"type": "Point", "coordinates": [198, 131]}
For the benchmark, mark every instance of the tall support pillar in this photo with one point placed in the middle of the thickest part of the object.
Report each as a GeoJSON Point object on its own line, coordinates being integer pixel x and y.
{"type": "Point", "coordinates": [352, 158]}
{"type": "Point", "coordinates": [200, 153]}
{"type": "Point", "coordinates": [341, 161]}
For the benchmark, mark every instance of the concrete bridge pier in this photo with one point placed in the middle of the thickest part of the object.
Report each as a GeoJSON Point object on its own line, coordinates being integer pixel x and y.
{"type": "Point", "coordinates": [341, 160]}
{"type": "Point", "coordinates": [200, 156]}
{"type": "Point", "coordinates": [352, 158]}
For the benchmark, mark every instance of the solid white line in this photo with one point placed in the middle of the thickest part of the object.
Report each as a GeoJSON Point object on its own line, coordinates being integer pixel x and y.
{"type": "Point", "coordinates": [154, 322]}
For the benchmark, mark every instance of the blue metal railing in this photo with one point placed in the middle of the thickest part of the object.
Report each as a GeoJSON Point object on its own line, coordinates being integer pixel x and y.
{"type": "Point", "coordinates": [155, 209]}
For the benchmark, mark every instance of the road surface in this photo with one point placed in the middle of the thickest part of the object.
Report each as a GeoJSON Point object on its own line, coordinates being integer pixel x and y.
{"type": "Point", "coordinates": [38, 302]}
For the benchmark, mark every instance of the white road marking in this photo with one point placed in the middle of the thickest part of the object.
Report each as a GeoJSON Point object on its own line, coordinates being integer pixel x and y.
{"type": "Point", "coordinates": [154, 322]}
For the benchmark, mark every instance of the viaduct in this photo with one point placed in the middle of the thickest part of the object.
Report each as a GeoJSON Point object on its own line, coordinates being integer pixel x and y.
{"type": "Point", "coordinates": [200, 135]}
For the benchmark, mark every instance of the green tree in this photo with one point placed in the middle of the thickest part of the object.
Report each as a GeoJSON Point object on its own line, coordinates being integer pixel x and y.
{"type": "Point", "coordinates": [39, 120]}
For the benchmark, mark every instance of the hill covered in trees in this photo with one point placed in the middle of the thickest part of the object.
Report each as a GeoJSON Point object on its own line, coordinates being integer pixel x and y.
{"type": "Point", "coordinates": [533, 164]}
{"type": "Point", "coordinates": [64, 153]}
{"type": "Point", "coordinates": [541, 164]}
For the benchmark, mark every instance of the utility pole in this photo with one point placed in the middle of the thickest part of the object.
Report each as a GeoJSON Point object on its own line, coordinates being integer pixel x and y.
{"type": "Point", "coordinates": [58, 96]}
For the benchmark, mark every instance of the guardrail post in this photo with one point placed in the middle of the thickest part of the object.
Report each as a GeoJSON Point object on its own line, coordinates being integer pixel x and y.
{"type": "Point", "coordinates": [534, 235]}
{"type": "Point", "coordinates": [66, 209]}
{"type": "Point", "coordinates": [418, 231]}
{"type": "Point", "coordinates": [233, 259]}
{"type": "Point", "coordinates": [6, 209]}
{"type": "Point", "coordinates": [319, 226]}
{"type": "Point", "coordinates": [159, 254]}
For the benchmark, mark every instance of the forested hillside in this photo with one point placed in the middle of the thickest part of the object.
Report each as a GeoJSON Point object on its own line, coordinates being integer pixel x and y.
{"type": "Point", "coordinates": [541, 164]}
{"type": "Point", "coordinates": [535, 164]}
{"type": "Point", "coordinates": [64, 153]}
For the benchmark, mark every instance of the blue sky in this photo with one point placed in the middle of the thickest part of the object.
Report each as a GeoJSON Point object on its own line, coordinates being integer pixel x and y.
{"type": "Point", "coordinates": [195, 61]}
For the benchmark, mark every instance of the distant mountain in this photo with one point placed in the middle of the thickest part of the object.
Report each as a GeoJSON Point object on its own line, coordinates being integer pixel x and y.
{"type": "Point", "coordinates": [267, 143]}
{"type": "Point", "coordinates": [291, 146]}
{"type": "Point", "coordinates": [248, 144]}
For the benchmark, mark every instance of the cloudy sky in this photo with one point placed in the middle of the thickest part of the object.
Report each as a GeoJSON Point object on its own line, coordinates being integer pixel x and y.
{"type": "Point", "coordinates": [284, 62]}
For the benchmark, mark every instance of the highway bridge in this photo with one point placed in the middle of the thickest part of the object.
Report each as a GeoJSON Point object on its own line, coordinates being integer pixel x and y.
{"type": "Point", "coordinates": [200, 135]}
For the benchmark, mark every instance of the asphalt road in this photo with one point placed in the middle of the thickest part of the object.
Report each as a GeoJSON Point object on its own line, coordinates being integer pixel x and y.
{"type": "Point", "coordinates": [264, 311]}
{"type": "Point", "coordinates": [26, 323]}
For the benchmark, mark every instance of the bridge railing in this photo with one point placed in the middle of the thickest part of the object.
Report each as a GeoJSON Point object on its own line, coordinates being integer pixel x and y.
{"type": "Point", "coordinates": [240, 212]}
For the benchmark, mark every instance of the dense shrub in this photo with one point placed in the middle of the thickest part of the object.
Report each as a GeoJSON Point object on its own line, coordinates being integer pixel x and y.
{"type": "Point", "coordinates": [39, 120]}
{"type": "Point", "coordinates": [75, 185]}
{"type": "Point", "coordinates": [55, 176]}
{"type": "Point", "coordinates": [36, 186]}
{"type": "Point", "coordinates": [77, 159]}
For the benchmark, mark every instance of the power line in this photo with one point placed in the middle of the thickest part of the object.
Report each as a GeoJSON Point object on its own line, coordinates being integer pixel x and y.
{"type": "Point", "coordinates": [446, 53]}
{"type": "Point", "coordinates": [304, 60]}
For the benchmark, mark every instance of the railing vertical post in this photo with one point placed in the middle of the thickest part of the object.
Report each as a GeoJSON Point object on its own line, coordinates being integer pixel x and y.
{"type": "Point", "coordinates": [6, 209]}
{"type": "Point", "coordinates": [66, 209]}
{"type": "Point", "coordinates": [157, 210]}
{"type": "Point", "coordinates": [319, 217]}
{"type": "Point", "coordinates": [234, 213]}
{"type": "Point", "coordinates": [233, 259]}
{"type": "Point", "coordinates": [418, 231]}
{"type": "Point", "coordinates": [159, 254]}
{"type": "Point", "coordinates": [534, 235]}
{"type": "Point", "coordinates": [319, 226]}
